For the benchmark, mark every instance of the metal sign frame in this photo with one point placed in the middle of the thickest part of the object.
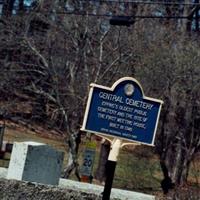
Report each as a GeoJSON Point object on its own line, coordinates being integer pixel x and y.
{"type": "Point", "coordinates": [112, 89]}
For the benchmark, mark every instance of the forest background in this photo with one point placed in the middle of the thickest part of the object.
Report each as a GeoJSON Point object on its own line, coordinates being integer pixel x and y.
{"type": "Point", "coordinates": [50, 52]}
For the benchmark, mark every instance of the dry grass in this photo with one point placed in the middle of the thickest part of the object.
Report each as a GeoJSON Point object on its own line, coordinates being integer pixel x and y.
{"type": "Point", "coordinates": [17, 133]}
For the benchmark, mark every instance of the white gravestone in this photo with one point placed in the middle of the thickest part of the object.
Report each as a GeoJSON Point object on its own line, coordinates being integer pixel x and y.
{"type": "Point", "coordinates": [35, 162]}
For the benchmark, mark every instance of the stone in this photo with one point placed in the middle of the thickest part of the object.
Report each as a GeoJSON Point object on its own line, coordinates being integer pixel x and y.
{"type": "Point", "coordinates": [3, 172]}
{"type": "Point", "coordinates": [35, 162]}
{"type": "Point", "coordinates": [19, 190]}
{"type": "Point", "coordinates": [116, 194]}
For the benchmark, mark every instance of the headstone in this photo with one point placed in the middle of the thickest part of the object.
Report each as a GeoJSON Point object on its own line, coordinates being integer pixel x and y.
{"type": "Point", "coordinates": [35, 162]}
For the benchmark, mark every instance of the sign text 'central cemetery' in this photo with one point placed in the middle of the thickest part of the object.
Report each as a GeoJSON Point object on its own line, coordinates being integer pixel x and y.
{"type": "Point", "coordinates": [122, 111]}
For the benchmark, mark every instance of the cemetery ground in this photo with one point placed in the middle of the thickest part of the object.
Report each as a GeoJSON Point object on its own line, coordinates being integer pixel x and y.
{"type": "Point", "coordinates": [138, 168]}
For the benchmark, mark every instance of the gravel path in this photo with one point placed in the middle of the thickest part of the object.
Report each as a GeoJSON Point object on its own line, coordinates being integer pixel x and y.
{"type": "Point", "coordinates": [95, 189]}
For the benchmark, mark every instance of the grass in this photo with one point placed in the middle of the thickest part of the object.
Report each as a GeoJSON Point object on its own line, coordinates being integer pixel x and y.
{"type": "Point", "coordinates": [194, 172]}
{"type": "Point", "coordinates": [18, 134]}
{"type": "Point", "coordinates": [137, 173]}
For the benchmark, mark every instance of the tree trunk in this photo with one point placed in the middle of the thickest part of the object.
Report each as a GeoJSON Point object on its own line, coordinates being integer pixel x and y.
{"type": "Point", "coordinates": [7, 8]}
{"type": "Point", "coordinates": [185, 171]}
{"type": "Point", "coordinates": [177, 163]}
{"type": "Point", "coordinates": [39, 109]}
{"type": "Point", "coordinates": [21, 5]}
{"type": "Point", "coordinates": [72, 163]}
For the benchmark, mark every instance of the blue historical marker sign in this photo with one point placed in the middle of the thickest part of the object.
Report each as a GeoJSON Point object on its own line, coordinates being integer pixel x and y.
{"type": "Point", "coordinates": [122, 111]}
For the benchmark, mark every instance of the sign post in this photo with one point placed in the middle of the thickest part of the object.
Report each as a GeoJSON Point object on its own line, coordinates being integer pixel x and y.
{"type": "Point", "coordinates": [110, 168]}
{"type": "Point", "coordinates": [121, 113]}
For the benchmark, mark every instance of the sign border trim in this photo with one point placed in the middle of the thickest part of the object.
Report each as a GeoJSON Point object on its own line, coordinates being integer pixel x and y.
{"type": "Point", "coordinates": [93, 85]}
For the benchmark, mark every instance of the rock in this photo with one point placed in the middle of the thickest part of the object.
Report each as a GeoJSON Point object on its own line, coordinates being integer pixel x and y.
{"type": "Point", "coordinates": [18, 190]}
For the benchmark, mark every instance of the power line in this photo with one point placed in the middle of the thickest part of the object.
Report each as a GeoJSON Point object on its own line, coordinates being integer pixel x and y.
{"type": "Point", "coordinates": [142, 2]}
{"type": "Point", "coordinates": [81, 13]}
{"type": "Point", "coordinates": [130, 16]}
{"type": "Point", "coordinates": [106, 15]}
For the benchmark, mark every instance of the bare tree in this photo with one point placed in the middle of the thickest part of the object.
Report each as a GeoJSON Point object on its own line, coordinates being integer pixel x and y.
{"type": "Point", "coordinates": [49, 58]}
{"type": "Point", "coordinates": [171, 73]}
{"type": "Point", "coordinates": [58, 56]}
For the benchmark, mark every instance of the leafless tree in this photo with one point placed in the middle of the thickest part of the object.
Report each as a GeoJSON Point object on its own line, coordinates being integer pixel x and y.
{"type": "Point", "coordinates": [49, 58]}
{"type": "Point", "coordinates": [58, 56]}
